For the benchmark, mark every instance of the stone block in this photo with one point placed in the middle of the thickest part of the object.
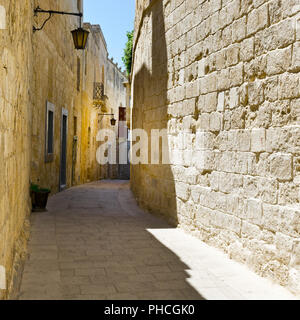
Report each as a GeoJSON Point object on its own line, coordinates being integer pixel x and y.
{"type": "Point", "coordinates": [281, 219]}
{"type": "Point", "coordinates": [250, 230]}
{"type": "Point", "coordinates": [221, 102]}
{"type": "Point", "coordinates": [254, 211]}
{"type": "Point", "coordinates": [204, 140]}
{"type": "Point", "coordinates": [247, 49]}
{"type": "Point", "coordinates": [271, 89]}
{"type": "Point", "coordinates": [216, 122]}
{"type": "Point", "coordinates": [281, 166]}
{"type": "Point", "coordinates": [197, 192]}
{"type": "Point", "coordinates": [204, 121]}
{"type": "Point", "coordinates": [239, 29]}
{"type": "Point", "coordinates": [214, 181]}
{"type": "Point", "coordinates": [232, 55]}
{"type": "Point", "coordinates": [279, 61]}
{"type": "Point", "coordinates": [201, 68]}
{"type": "Point", "coordinates": [255, 93]}
{"type": "Point", "coordinates": [258, 140]}
{"type": "Point", "coordinates": [235, 205]}
{"type": "Point", "coordinates": [295, 67]}
{"type": "Point", "coordinates": [257, 20]}
{"type": "Point", "coordinates": [226, 221]}
{"type": "Point", "coordinates": [204, 160]}
{"type": "Point", "coordinates": [236, 75]}
{"type": "Point", "coordinates": [234, 98]}
{"type": "Point", "coordinates": [229, 182]}
{"type": "Point", "coordinates": [244, 140]}
{"type": "Point", "coordinates": [268, 189]}
{"type": "Point", "coordinates": [210, 102]}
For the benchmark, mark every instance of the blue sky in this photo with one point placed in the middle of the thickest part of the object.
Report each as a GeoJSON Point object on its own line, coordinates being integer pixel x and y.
{"type": "Point", "coordinates": [115, 17]}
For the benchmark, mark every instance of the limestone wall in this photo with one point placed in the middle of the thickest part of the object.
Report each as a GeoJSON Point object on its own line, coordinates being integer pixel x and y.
{"type": "Point", "coordinates": [95, 58]}
{"type": "Point", "coordinates": [15, 109]}
{"type": "Point", "coordinates": [55, 66]}
{"type": "Point", "coordinates": [37, 68]}
{"type": "Point", "coordinates": [115, 89]}
{"type": "Point", "coordinates": [222, 76]}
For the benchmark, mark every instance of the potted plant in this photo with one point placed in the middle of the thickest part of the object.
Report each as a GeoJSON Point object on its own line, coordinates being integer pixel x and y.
{"type": "Point", "coordinates": [39, 198]}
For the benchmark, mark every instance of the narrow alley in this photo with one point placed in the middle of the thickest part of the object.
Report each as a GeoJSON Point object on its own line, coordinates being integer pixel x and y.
{"type": "Point", "coordinates": [96, 243]}
{"type": "Point", "coordinates": [196, 104]}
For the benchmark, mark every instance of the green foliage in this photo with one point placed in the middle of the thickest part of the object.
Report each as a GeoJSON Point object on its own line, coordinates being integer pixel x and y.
{"type": "Point", "coordinates": [127, 58]}
{"type": "Point", "coordinates": [37, 189]}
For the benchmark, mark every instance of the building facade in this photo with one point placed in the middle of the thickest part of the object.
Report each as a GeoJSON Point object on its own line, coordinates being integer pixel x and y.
{"type": "Point", "coordinates": [222, 77]}
{"type": "Point", "coordinates": [51, 100]}
{"type": "Point", "coordinates": [15, 134]}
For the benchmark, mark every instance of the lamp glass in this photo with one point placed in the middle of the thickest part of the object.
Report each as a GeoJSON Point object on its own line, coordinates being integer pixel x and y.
{"type": "Point", "coordinates": [80, 37]}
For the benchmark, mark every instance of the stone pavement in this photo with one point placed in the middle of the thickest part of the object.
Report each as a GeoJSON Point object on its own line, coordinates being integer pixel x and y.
{"type": "Point", "coordinates": [95, 243]}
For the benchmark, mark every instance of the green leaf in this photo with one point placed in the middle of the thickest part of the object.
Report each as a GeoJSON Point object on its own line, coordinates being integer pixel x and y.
{"type": "Point", "coordinates": [127, 58]}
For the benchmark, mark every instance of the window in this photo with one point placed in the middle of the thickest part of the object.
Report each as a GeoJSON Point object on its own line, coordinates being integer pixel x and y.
{"type": "Point", "coordinates": [75, 126]}
{"type": "Point", "coordinates": [89, 137]}
{"type": "Point", "coordinates": [50, 108]}
{"type": "Point", "coordinates": [50, 131]}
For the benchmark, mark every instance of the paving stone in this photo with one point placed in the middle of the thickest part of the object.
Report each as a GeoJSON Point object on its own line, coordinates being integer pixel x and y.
{"type": "Point", "coordinates": [98, 255]}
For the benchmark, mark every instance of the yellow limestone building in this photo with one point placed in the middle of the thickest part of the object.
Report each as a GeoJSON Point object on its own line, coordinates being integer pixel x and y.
{"type": "Point", "coordinates": [48, 116]}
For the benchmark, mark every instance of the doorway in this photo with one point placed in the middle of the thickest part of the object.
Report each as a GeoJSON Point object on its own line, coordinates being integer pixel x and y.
{"type": "Point", "coordinates": [63, 156]}
{"type": "Point", "coordinates": [123, 146]}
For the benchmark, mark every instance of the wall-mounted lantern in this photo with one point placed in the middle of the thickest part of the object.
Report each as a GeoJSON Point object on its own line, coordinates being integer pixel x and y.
{"type": "Point", "coordinates": [80, 35]}
{"type": "Point", "coordinates": [113, 121]}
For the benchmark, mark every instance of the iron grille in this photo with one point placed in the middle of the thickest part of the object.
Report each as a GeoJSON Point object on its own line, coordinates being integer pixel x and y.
{"type": "Point", "coordinates": [98, 91]}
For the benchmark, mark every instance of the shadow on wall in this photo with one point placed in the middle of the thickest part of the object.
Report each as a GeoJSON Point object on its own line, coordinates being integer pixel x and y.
{"type": "Point", "coordinates": [152, 184]}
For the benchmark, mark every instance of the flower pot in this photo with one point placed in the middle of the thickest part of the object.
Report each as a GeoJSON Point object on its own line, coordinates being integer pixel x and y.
{"type": "Point", "coordinates": [39, 200]}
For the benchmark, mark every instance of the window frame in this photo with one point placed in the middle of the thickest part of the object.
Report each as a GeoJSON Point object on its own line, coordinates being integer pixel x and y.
{"type": "Point", "coordinates": [49, 156]}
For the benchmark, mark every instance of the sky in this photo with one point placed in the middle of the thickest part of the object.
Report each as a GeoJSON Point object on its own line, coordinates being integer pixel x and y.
{"type": "Point", "coordinates": [115, 17]}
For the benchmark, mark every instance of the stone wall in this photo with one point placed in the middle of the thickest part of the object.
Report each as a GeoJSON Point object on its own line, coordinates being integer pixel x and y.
{"type": "Point", "coordinates": [94, 71]}
{"type": "Point", "coordinates": [37, 68]}
{"type": "Point", "coordinates": [56, 80]}
{"type": "Point", "coordinates": [66, 77]}
{"type": "Point", "coordinates": [15, 111]}
{"type": "Point", "coordinates": [222, 76]}
{"type": "Point", "coordinates": [115, 90]}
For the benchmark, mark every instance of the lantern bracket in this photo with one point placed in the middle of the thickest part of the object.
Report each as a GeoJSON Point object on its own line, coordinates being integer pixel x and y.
{"type": "Point", "coordinates": [38, 10]}
{"type": "Point", "coordinates": [112, 120]}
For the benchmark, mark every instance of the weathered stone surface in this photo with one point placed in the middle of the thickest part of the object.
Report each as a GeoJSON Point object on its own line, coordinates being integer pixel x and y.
{"type": "Point", "coordinates": [258, 140]}
{"type": "Point", "coordinates": [15, 111]}
{"type": "Point", "coordinates": [246, 132]}
{"type": "Point", "coordinates": [281, 166]}
{"type": "Point", "coordinates": [36, 69]}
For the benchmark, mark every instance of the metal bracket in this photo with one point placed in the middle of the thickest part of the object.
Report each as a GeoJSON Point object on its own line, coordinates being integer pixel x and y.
{"type": "Point", "coordinates": [38, 10]}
